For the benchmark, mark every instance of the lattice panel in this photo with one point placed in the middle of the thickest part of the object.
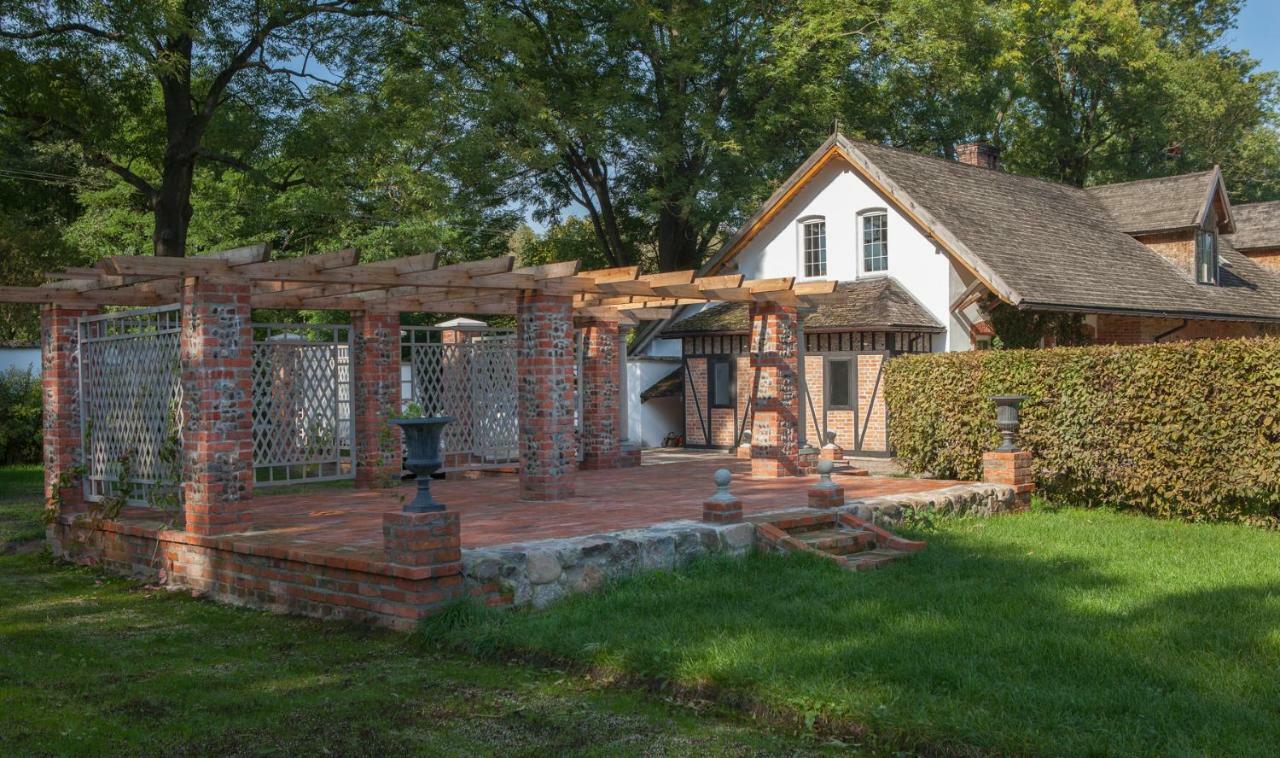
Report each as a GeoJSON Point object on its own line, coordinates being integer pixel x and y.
{"type": "Point", "coordinates": [302, 427]}
{"type": "Point", "coordinates": [131, 405]}
{"type": "Point", "coordinates": [472, 380]}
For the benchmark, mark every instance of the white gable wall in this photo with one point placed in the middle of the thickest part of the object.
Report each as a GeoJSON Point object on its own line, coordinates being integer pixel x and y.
{"type": "Point", "coordinates": [839, 195]}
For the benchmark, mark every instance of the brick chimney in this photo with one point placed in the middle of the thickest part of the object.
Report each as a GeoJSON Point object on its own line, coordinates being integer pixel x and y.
{"type": "Point", "coordinates": [980, 154]}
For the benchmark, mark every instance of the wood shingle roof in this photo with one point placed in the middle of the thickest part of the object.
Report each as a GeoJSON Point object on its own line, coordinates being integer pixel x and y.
{"type": "Point", "coordinates": [1257, 226]}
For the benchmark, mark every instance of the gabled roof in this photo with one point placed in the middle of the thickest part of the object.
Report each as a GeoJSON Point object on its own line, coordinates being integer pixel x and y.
{"type": "Point", "coordinates": [1166, 203]}
{"type": "Point", "coordinates": [1038, 244]}
{"type": "Point", "coordinates": [868, 305]}
{"type": "Point", "coordinates": [1257, 226]}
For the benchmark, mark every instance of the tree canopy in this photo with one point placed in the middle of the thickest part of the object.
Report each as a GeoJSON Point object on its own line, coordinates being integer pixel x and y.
{"type": "Point", "coordinates": [633, 132]}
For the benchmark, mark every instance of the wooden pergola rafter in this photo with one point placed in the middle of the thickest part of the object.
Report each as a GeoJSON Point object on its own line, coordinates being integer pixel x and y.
{"type": "Point", "coordinates": [338, 281]}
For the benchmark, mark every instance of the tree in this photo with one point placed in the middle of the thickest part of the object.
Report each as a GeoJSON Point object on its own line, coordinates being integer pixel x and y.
{"type": "Point", "coordinates": [148, 91]}
{"type": "Point", "coordinates": [653, 119]}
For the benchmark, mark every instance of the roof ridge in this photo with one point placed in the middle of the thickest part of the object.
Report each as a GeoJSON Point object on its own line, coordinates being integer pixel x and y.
{"type": "Point", "coordinates": [1151, 179]}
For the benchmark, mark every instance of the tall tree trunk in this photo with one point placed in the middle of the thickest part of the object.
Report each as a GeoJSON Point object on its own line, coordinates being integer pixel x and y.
{"type": "Point", "coordinates": [677, 239]}
{"type": "Point", "coordinates": [172, 206]}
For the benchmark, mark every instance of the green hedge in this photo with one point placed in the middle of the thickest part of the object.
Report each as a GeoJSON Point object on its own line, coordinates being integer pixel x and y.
{"type": "Point", "coordinates": [1190, 430]}
{"type": "Point", "coordinates": [21, 434]}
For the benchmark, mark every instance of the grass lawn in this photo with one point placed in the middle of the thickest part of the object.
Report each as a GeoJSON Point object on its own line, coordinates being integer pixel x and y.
{"type": "Point", "coordinates": [90, 665]}
{"type": "Point", "coordinates": [1054, 632]}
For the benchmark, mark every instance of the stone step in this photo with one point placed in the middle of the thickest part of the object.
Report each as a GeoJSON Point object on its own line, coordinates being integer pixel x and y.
{"type": "Point", "coordinates": [838, 541]}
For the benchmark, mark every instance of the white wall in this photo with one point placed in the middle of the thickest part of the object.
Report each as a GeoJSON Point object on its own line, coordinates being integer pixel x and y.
{"type": "Point", "coordinates": [23, 358]}
{"type": "Point", "coordinates": [649, 423]}
{"type": "Point", "coordinates": [838, 194]}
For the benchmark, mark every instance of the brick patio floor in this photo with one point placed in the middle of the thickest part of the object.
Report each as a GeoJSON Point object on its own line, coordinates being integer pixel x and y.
{"type": "Point", "coordinates": [668, 487]}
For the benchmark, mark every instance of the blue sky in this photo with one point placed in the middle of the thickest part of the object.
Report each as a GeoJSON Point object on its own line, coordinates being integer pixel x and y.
{"type": "Point", "coordinates": [1257, 30]}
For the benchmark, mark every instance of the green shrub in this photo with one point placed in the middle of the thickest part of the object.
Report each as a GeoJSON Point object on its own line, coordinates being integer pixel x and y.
{"type": "Point", "coordinates": [20, 417]}
{"type": "Point", "coordinates": [1187, 429]}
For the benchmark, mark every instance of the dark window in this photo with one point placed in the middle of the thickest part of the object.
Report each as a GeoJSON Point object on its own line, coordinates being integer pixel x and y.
{"type": "Point", "coordinates": [722, 389]}
{"type": "Point", "coordinates": [1207, 256]}
{"type": "Point", "coordinates": [840, 383]}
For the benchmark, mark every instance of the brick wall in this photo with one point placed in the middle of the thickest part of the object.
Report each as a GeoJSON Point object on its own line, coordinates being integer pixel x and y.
{"type": "Point", "coordinates": [1179, 248]}
{"type": "Point", "coordinates": [267, 577]}
{"type": "Point", "coordinates": [873, 414]}
{"type": "Point", "coordinates": [59, 377]}
{"type": "Point", "coordinates": [545, 358]}
{"type": "Point", "coordinates": [1138, 330]}
{"type": "Point", "coordinates": [1268, 259]}
{"type": "Point", "coordinates": [695, 402]}
{"type": "Point", "coordinates": [217, 379]}
{"type": "Point", "coordinates": [375, 374]}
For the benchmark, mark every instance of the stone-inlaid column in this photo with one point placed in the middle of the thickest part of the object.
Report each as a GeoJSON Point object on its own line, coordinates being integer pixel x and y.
{"type": "Point", "coordinates": [217, 405]}
{"type": "Point", "coordinates": [59, 376]}
{"type": "Point", "coordinates": [375, 385]}
{"type": "Point", "coordinates": [601, 394]}
{"type": "Point", "coordinates": [777, 412]}
{"type": "Point", "coordinates": [545, 396]}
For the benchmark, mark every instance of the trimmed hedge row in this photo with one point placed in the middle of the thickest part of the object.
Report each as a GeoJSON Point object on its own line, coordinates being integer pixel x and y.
{"type": "Point", "coordinates": [21, 422]}
{"type": "Point", "coordinates": [1188, 430]}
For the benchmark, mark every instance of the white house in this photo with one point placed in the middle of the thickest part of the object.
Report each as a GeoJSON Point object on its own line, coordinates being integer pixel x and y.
{"type": "Point", "coordinates": [920, 246]}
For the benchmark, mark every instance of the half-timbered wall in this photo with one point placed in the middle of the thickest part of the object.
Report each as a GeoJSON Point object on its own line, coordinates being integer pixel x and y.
{"type": "Point", "coordinates": [860, 429]}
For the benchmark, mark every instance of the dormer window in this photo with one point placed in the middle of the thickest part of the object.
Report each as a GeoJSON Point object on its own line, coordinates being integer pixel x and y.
{"type": "Point", "coordinates": [1207, 256]}
{"type": "Point", "coordinates": [813, 247]}
{"type": "Point", "coordinates": [875, 241]}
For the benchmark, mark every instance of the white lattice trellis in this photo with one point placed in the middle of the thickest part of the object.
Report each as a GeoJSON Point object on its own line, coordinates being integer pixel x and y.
{"type": "Point", "coordinates": [301, 403]}
{"type": "Point", "coordinates": [131, 404]}
{"type": "Point", "coordinates": [474, 381]}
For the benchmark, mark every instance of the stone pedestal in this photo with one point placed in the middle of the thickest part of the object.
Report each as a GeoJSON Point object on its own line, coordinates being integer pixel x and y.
{"type": "Point", "coordinates": [59, 378]}
{"type": "Point", "coordinates": [1012, 469]}
{"type": "Point", "coordinates": [217, 405]}
{"type": "Point", "coordinates": [375, 374]}
{"type": "Point", "coordinates": [722, 507]}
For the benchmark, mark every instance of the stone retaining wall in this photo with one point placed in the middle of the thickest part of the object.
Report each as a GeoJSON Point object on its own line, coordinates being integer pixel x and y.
{"type": "Point", "coordinates": [539, 573]}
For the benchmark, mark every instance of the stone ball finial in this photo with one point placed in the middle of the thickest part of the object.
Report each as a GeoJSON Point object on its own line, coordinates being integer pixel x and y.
{"type": "Point", "coordinates": [722, 478]}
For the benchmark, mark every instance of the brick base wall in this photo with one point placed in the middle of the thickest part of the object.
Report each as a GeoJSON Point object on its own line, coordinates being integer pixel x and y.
{"type": "Point", "coordinates": [1138, 330]}
{"type": "Point", "coordinates": [1013, 469]}
{"type": "Point", "coordinates": [264, 577]}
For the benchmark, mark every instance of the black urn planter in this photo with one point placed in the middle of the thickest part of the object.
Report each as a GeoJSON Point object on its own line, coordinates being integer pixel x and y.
{"type": "Point", "coordinates": [1007, 420]}
{"type": "Point", "coordinates": [422, 439]}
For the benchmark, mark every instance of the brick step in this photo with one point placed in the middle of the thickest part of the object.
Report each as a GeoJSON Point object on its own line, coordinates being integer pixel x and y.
{"type": "Point", "coordinates": [838, 541]}
{"type": "Point", "coordinates": [873, 559]}
{"type": "Point", "coordinates": [849, 541]}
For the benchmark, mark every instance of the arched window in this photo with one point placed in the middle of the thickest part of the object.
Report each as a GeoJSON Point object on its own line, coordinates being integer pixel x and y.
{"type": "Point", "coordinates": [874, 226]}
{"type": "Point", "coordinates": [813, 246]}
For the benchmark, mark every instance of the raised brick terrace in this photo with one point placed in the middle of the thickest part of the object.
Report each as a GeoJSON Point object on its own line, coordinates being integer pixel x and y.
{"type": "Point", "coordinates": [668, 487]}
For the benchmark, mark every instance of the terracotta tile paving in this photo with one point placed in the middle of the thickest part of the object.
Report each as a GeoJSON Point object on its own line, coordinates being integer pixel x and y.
{"type": "Point", "coordinates": [667, 488]}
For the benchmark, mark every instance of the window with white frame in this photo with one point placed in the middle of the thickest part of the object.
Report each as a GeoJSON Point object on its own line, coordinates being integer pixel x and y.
{"type": "Point", "coordinates": [875, 242]}
{"type": "Point", "coordinates": [813, 247]}
{"type": "Point", "coordinates": [1207, 250]}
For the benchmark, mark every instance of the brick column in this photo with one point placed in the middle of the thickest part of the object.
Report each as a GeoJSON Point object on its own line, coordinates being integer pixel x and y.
{"type": "Point", "coordinates": [545, 396]}
{"type": "Point", "coordinates": [375, 386]}
{"type": "Point", "coordinates": [777, 413]}
{"type": "Point", "coordinates": [217, 405]}
{"type": "Point", "coordinates": [1014, 469]}
{"type": "Point", "coordinates": [60, 377]}
{"type": "Point", "coordinates": [601, 395]}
